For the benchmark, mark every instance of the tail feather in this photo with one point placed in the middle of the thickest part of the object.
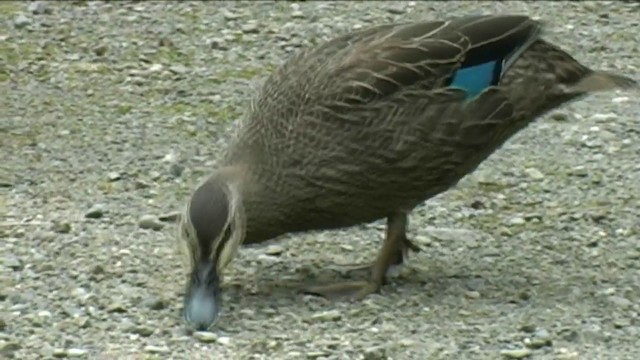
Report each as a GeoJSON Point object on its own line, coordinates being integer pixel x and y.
{"type": "Point", "coordinates": [603, 81]}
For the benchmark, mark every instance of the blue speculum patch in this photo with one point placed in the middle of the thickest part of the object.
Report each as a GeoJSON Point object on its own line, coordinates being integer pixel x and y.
{"type": "Point", "coordinates": [475, 79]}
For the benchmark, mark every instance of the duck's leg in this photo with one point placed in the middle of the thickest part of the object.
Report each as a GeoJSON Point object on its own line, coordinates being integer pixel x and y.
{"type": "Point", "coordinates": [392, 246]}
{"type": "Point", "coordinates": [399, 259]}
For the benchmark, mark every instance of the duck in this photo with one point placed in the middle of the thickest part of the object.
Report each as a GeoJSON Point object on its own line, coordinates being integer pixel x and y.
{"type": "Point", "coordinates": [366, 127]}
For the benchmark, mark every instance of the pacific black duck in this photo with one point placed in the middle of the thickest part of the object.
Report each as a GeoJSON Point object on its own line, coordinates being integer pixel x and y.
{"type": "Point", "coordinates": [368, 126]}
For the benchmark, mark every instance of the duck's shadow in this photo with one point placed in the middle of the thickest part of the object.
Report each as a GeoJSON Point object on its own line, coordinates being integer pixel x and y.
{"type": "Point", "coordinates": [264, 289]}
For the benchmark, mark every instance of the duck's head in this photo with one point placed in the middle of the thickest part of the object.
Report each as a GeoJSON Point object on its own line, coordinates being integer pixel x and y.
{"type": "Point", "coordinates": [211, 229]}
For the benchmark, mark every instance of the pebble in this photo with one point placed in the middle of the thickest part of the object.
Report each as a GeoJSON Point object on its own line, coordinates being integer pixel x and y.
{"type": "Point", "coordinates": [534, 173]}
{"type": "Point", "coordinates": [528, 328]}
{"type": "Point", "coordinates": [62, 227]}
{"type": "Point", "coordinates": [516, 353]}
{"type": "Point", "coordinates": [331, 315]}
{"type": "Point", "coordinates": [375, 353]}
{"type": "Point", "coordinates": [205, 336]}
{"type": "Point", "coordinates": [100, 50]}
{"type": "Point", "coordinates": [315, 354]}
{"type": "Point", "coordinates": [73, 352]}
{"type": "Point", "coordinates": [250, 28]}
{"type": "Point", "coordinates": [224, 340]}
{"type": "Point", "coordinates": [13, 263]}
{"type": "Point", "coordinates": [475, 284]}
{"type": "Point", "coordinates": [217, 44]}
{"type": "Point", "coordinates": [114, 176]}
{"type": "Point", "coordinates": [178, 69]}
{"type": "Point", "coordinates": [155, 303]}
{"type": "Point", "coordinates": [145, 331]}
{"type": "Point", "coordinates": [21, 21]}
{"type": "Point", "coordinates": [579, 171]}
{"type": "Point", "coordinates": [176, 170]}
{"type": "Point", "coordinates": [297, 14]}
{"type": "Point", "coordinates": [98, 269]}
{"type": "Point", "coordinates": [171, 217]}
{"type": "Point", "coordinates": [155, 175]}
{"type": "Point", "coordinates": [39, 8]}
{"type": "Point", "coordinates": [154, 68]}
{"type": "Point", "coordinates": [609, 291]}
{"type": "Point", "coordinates": [82, 321]}
{"type": "Point", "coordinates": [396, 10]}
{"type": "Point", "coordinates": [117, 307]}
{"type": "Point", "coordinates": [541, 338]}
{"type": "Point", "coordinates": [565, 354]}
{"type": "Point", "coordinates": [44, 236]}
{"type": "Point", "coordinates": [79, 293]}
{"type": "Point", "coordinates": [96, 211]}
{"type": "Point", "coordinates": [517, 221]}
{"type": "Point", "coordinates": [44, 314]}
{"type": "Point", "coordinates": [228, 15]}
{"type": "Point", "coordinates": [620, 301]}
{"type": "Point", "coordinates": [17, 308]}
{"type": "Point", "coordinates": [150, 222]}
{"type": "Point", "coordinates": [406, 342]}
{"type": "Point", "coordinates": [274, 250]}
{"type": "Point", "coordinates": [472, 294]}
{"type": "Point", "coordinates": [7, 349]}
{"type": "Point", "coordinates": [59, 353]}
{"type": "Point", "coordinates": [604, 117]}
{"type": "Point", "coordinates": [152, 349]}
{"type": "Point", "coordinates": [621, 323]}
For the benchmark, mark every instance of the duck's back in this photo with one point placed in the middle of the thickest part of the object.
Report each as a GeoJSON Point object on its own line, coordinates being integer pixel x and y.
{"type": "Point", "coordinates": [378, 121]}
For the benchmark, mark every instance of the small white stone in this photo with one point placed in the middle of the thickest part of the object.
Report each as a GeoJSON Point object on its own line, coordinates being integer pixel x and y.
{"type": "Point", "coordinates": [224, 340]}
{"type": "Point", "coordinates": [156, 349]}
{"type": "Point", "coordinates": [274, 250]}
{"type": "Point", "coordinates": [79, 292]}
{"type": "Point", "coordinates": [607, 116]}
{"type": "Point", "coordinates": [59, 353]}
{"type": "Point", "coordinates": [170, 157]}
{"type": "Point", "coordinates": [609, 291]}
{"type": "Point", "coordinates": [150, 222]}
{"type": "Point", "coordinates": [330, 315]}
{"type": "Point", "coordinates": [534, 173]}
{"type": "Point", "coordinates": [205, 336]}
{"type": "Point", "coordinates": [155, 68]}
{"type": "Point", "coordinates": [44, 313]}
{"type": "Point", "coordinates": [76, 352]}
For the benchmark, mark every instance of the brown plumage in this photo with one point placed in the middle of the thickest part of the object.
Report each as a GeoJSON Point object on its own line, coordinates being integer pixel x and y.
{"type": "Point", "coordinates": [368, 126]}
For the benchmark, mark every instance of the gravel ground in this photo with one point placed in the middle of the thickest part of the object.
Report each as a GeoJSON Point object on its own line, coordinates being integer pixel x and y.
{"type": "Point", "coordinates": [111, 113]}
